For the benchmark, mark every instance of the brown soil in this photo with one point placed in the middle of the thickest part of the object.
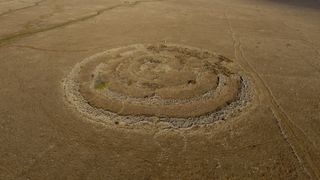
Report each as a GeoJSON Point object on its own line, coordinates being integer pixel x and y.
{"type": "Point", "coordinates": [163, 89]}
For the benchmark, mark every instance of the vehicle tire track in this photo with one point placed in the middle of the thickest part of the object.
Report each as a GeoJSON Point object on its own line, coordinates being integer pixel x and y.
{"type": "Point", "coordinates": [300, 144]}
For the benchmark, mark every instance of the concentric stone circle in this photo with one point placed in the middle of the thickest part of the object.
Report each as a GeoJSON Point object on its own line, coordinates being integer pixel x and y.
{"type": "Point", "coordinates": [174, 84]}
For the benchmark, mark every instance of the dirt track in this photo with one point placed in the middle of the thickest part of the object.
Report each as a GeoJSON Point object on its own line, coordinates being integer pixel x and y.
{"type": "Point", "coordinates": [276, 44]}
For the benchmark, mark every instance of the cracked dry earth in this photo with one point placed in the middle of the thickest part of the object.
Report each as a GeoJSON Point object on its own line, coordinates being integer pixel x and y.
{"type": "Point", "coordinates": [159, 89]}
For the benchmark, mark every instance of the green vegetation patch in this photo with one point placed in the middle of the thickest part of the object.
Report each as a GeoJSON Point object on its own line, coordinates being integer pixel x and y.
{"type": "Point", "coordinates": [100, 85]}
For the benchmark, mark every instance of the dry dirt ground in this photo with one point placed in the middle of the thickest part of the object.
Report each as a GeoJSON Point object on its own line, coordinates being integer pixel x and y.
{"type": "Point", "coordinates": [276, 42]}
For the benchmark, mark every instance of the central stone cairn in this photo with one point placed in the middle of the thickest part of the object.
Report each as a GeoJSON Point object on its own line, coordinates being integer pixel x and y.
{"type": "Point", "coordinates": [177, 84]}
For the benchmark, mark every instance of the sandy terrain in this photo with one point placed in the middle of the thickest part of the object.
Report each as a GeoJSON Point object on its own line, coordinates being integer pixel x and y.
{"type": "Point", "coordinates": [275, 44]}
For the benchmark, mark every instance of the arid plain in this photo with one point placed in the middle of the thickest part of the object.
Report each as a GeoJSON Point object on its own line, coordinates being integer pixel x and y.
{"type": "Point", "coordinates": [271, 129]}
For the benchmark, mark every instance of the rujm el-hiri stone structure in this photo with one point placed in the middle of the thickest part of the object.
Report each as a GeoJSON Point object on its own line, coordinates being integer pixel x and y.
{"type": "Point", "coordinates": [179, 85]}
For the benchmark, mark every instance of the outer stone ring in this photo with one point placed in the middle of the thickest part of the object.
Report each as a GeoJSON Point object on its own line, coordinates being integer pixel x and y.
{"type": "Point", "coordinates": [174, 84]}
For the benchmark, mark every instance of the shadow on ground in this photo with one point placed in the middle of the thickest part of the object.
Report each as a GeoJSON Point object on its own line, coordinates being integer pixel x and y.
{"type": "Point", "coordinates": [315, 4]}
